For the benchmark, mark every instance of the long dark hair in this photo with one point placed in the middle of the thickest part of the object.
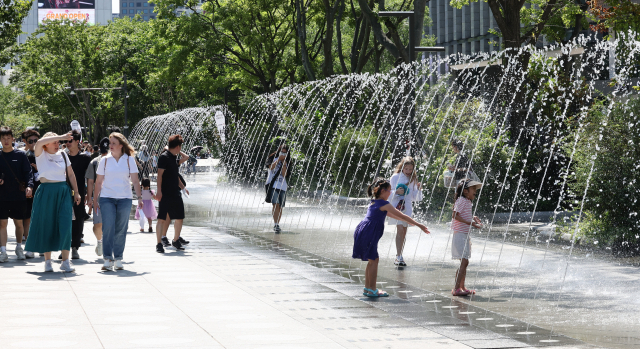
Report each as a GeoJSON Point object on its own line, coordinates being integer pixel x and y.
{"type": "Point", "coordinates": [378, 186]}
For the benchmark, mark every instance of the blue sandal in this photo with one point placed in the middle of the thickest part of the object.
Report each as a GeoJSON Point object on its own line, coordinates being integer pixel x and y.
{"type": "Point", "coordinates": [376, 293]}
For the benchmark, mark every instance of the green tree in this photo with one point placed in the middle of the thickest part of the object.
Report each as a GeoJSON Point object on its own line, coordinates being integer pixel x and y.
{"type": "Point", "coordinates": [12, 13]}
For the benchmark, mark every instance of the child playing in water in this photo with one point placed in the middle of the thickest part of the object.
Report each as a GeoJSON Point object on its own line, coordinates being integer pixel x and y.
{"type": "Point", "coordinates": [148, 209]}
{"type": "Point", "coordinates": [462, 221]}
{"type": "Point", "coordinates": [370, 230]}
{"type": "Point", "coordinates": [405, 189]}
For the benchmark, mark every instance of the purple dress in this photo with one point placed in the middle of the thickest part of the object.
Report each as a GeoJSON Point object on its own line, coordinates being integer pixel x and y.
{"type": "Point", "coordinates": [369, 232]}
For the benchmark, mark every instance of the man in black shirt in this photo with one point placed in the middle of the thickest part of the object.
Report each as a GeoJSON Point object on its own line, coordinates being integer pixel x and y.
{"type": "Point", "coordinates": [16, 184]}
{"type": "Point", "coordinates": [30, 138]}
{"type": "Point", "coordinates": [170, 205]}
{"type": "Point", "coordinates": [79, 164]}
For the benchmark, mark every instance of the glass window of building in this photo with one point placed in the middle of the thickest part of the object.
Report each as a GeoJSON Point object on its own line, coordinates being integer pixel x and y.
{"type": "Point", "coordinates": [146, 18]}
{"type": "Point", "coordinates": [124, 4]}
{"type": "Point", "coordinates": [139, 11]}
{"type": "Point", "coordinates": [139, 4]}
{"type": "Point", "coordinates": [132, 11]}
{"type": "Point", "coordinates": [124, 12]}
{"type": "Point", "coordinates": [145, 4]}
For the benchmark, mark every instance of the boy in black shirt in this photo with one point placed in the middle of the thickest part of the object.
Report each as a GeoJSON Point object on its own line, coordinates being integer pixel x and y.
{"type": "Point", "coordinates": [16, 184]}
{"type": "Point", "coordinates": [79, 164]}
{"type": "Point", "coordinates": [30, 138]}
{"type": "Point", "coordinates": [170, 205]}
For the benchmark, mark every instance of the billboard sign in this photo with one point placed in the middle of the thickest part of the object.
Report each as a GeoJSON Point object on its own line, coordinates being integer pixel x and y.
{"type": "Point", "coordinates": [57, 14]}
{"type": "Point", "coordinates": [75, 10]}
{"type": "Point", "coordinates": [67, 4]}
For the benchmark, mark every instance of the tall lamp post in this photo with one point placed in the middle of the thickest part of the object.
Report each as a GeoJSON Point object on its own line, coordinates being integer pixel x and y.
{"type": "Point", "coordinates": [123, 88]}
{"type": "Point", "coordinates": [412, 50]}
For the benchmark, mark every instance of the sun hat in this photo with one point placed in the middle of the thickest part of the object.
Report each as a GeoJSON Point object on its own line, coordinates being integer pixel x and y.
{"type": "Point", "coordinates": [468, 183]}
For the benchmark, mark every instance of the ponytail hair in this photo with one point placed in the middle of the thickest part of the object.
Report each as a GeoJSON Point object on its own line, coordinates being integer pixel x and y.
{"type": "Point", "coordinates": [377, 186]}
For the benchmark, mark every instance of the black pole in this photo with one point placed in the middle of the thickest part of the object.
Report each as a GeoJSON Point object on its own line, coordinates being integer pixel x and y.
{"type": "Point", "coordinates": [126, 121]}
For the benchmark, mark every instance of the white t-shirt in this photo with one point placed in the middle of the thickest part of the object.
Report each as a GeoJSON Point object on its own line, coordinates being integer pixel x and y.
{"type": "Point", "coordinates": [415, 194]}
{"type": "Point", "coordinates": [281, 182]}
{"type": "Point", "coordinates": [117, 176]}
{"type": "Point", "coordinates": [52, 166]}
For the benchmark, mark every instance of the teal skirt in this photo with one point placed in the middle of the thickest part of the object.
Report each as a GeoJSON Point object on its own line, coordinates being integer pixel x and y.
{"type": "Point", "coordinates": [51, 217]}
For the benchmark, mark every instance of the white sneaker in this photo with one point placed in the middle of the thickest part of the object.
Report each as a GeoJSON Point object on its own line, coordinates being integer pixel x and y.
{"type": "Point", "coordinates": [99, 248]}
{"type": "Point", "coordinates": [119, 265]}
{"type": "Point", "coordinates": [20, 253]}
{"type": "Point", "coordinates": [108, 265]}
{"type": "Point", "coordinates": [3, 257]}
{"type": "Point", "coordinates": [29, 254]}
{"type": "Point", "coordinates": [47, 266]}
{"type": "Point", "coordinates": [400, 261]}
{"type": "Point", "coordinates": [67, 267]}
{"type": "Point", "coordinates": [276, 228]}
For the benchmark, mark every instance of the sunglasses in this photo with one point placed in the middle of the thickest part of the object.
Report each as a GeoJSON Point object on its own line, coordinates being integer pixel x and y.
{"type": "Point", "coordinates": [63, 142]}
{"type": "Point", "coordinates": [31, 141]}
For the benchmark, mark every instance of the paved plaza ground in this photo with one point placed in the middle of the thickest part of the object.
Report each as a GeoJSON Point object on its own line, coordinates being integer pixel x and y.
{"type": "Point", "coordinates": [222, 292]}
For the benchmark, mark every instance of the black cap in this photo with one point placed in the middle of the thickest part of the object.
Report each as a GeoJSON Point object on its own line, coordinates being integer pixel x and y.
{"type": "Point", "coordinates": [104, 145]}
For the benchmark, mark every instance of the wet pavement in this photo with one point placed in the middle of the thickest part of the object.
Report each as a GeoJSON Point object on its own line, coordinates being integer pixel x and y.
{"type": "Point", "coordinates": [559, 290]}
{"type": "Point", "coordinates": [239, 285]}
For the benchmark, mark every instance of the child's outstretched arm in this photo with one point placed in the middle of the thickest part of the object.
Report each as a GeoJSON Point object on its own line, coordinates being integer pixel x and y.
{"type": "Point", "coordinates": [395, 214]}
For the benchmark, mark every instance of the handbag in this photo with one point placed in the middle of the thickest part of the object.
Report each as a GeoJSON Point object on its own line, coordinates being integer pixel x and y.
{"type": "Point", "coordinates": [22, 186]}
{"type": "Point", "coordinates": [66, 173]}
{"type": "Point", "coordinates": [268, 187]}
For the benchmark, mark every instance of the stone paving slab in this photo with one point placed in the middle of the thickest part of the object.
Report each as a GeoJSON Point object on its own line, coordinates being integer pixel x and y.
{"type": "Point", "coordinates": [222, 292]}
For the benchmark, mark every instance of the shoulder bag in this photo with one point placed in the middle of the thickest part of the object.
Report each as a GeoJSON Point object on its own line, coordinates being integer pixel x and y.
{"type": "Point", "coordinates": [269, 186]}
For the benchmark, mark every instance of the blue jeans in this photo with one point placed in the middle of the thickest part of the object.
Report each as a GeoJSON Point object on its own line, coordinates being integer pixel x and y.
{"type": "Point", "coordinates": [115, 221]}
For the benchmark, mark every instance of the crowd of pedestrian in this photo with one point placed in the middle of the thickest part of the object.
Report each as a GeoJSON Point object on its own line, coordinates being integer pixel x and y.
{"type": "Point", "coordinates": [47, 187]}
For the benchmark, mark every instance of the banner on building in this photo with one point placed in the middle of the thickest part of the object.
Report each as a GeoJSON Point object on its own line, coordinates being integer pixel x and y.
{"type": "Point", "coordinates": [67, 4]}
{"type": "Point", "coordinates": [88, 16]}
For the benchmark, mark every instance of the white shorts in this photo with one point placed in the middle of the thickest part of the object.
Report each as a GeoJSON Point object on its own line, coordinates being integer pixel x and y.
{"type": "Point", "coordinates": [397, 222]}
{"type": "Point", "coordinates": [460, 246]}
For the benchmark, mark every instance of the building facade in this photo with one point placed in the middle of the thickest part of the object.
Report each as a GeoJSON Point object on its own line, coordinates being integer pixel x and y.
{"type": "Point", "coordinates": [465, 30]}
{"type": "Point", "coordinates": [132, 8]}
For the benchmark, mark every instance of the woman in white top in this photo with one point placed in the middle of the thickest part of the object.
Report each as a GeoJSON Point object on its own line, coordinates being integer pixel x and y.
{"type": "Point", "coordinates": [113, 197]}
{"type": "Point", "coordinates": [405, 174]}
{"type": "Point", "coordinates": [52, 211]}
{"type": "Point", "coordinates": [279, 162]}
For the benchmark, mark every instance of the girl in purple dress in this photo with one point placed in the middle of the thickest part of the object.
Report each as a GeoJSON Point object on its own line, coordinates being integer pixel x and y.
{"type": "Point", "coordinates": [370, 230]}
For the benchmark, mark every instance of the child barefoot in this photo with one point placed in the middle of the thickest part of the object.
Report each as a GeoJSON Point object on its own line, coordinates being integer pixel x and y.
{"type": "Point", "coordinates": [461, 225]}
{"type": "Point", "coordinates": [370, 230]}
{"type": "Point", "coordinates": [148, 209]}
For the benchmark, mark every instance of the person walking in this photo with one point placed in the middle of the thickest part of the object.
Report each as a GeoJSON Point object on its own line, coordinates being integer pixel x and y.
{"type": "Point", "coordinates": [170, 205]}
{"type": "Point", "coordinates": [91, 175]}
{"type": "Point", "coordinates": [79, 163]}
{"type": "Point", "coordinates": [279, 172]}
{"type": "Point", "coordinates": [52, 213]}
{"type": "Point", "coordinates": [405, 189]}
{"type": "Point", "coordinates": [30, 137]}
{"type": "Point", "coordinates": [148, 210]}
{"type": "Point", "coordinates": [113, 198]}
{"type": "Point", "coordinates": [463, 166]}
{"type": "Point", "coordinates": [16, 185]}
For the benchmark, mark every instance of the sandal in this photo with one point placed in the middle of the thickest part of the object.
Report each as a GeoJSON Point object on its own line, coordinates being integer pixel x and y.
{"type": "Point", "coordinates": [459, 292]}
{"type": "Point", "coordinates": [365, 291]}
{"type": "Point", "coordinates": [470, 291]}
{"type": "Point", "coordinates": [376, 293]}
